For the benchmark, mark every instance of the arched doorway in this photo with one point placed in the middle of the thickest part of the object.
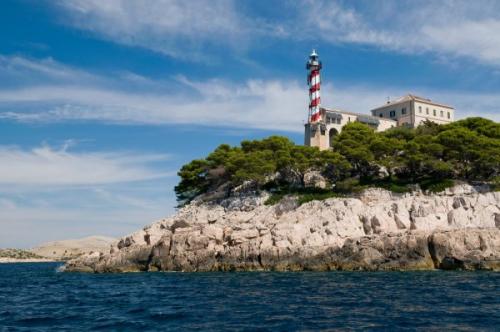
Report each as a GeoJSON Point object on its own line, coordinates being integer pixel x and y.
{"type": "Point", "coordinates": [332, 133]}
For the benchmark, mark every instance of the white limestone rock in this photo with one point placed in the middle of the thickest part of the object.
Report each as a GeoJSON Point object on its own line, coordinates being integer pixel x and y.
{"type": "Point", "coordinates": [242, 233]}
{"type": "Point", "coordinates": [314, 179]}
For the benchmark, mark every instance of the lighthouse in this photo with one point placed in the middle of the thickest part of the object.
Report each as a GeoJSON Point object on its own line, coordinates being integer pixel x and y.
{"type": "Point", "coordinates": [315, 128]}
{"type": "Point", "coordinates": [313, 67]}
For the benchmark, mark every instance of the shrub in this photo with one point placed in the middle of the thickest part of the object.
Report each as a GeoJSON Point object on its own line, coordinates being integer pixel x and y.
{"type": "Point", "coordinates": [349, 186]}
{"type": "Point", "coordinates": [436, 185]}
{"type": "Point", "coordinates": [495, 184]}
{"type": "Point", "coordinates": [275, 198]}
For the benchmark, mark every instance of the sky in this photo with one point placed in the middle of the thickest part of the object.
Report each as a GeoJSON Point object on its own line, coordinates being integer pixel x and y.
{"type": "Point", "coordinates": [101, 102]}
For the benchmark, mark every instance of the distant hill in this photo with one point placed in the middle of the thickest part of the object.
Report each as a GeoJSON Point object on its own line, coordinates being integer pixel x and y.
{"type": "Point", "coordinates": [65, 249]}
{"type": "Point", "coordinates": [10, 255]}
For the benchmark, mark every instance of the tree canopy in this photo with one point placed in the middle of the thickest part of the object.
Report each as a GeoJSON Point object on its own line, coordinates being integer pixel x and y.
{"type": "Point", "coordinates": [467, 150]}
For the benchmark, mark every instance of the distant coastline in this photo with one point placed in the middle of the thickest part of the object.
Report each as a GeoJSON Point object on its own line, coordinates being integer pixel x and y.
{"type": "Point", "coordinates": [21, 256]}
{"type": "Point", "coordinates": [56, 251]}
{"type": "Point", "coordinates": [4, 260]}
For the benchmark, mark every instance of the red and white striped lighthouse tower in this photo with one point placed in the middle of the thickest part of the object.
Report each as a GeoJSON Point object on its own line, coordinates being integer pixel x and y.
{"type": "Point", "coordinates": [313, 79]}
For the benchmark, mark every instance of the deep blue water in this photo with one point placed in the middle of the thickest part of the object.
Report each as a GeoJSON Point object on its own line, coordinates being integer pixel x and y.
{"type": "Point", "coordinates": [34, 297]}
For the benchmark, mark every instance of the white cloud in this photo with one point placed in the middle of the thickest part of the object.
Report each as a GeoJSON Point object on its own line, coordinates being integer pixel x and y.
{"type": "Point", "coordinates": [475, 39]}
{"type": "Point", "coordinates": [28, 224]}
{"type": "Point", "coordinates": [185, 29]}
{"type": "Point", "coordinates": [174, 27]}
{"type": "Point", "coordinates": [255, 103]}
{"type": "Point", "coordinates": [451, 28]}
{"type": "Point", "coordinates": [332, 22]}
{"type": "Point", "coordinates": [258, 104]}
{"type": "Point", "coordinates": [45, 166]}
{"type": "Point", "coordinates": [19, 70]}
{"type": "Point", "coordinates": [128, 200]}
{"type": "Point", "coordinates": [54, 194]}
{"type": "Point", "coordinates": [48, 193]}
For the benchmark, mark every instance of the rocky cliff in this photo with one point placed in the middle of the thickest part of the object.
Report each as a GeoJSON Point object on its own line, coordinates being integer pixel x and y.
{"type": "Point", "coordinates": [456, 229]}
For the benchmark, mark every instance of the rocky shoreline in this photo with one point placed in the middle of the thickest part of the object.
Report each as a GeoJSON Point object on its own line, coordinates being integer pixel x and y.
{"type": "Point", "coordinates": [456, 229]}
{"type": "Point", "coordinates": [27, 260]}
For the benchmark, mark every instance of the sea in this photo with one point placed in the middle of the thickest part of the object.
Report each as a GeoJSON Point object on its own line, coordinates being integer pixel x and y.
{"type": "Point", "coordinates": [37, 297]}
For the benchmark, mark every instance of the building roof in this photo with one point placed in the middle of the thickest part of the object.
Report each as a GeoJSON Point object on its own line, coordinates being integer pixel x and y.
{"type": "Point", "coordinates": [410, 97]}
{"type": "Point", "coordinates": [366, 116]}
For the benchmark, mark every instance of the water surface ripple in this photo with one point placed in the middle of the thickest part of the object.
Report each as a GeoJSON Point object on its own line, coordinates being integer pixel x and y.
{"type": "Point", "coordinates": [34, 297]}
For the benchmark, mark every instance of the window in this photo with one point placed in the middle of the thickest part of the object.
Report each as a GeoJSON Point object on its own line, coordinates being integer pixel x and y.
{"type": "Point", "coordinates": [449, 115]}
{"type": "Point", "coordinates": [381, 115]}
{"type": "Point", "coordinates": [403, 110]}
{"type": "Point", "coordinates": [393, 114]}
{"type": "Point", "coordinates": [434, 112]}
{"type": "Point", "coordinates": [442, 114]}
{"type": "Point", "coordinates": [427, 110]}
{"type": "Point", "coordinates": [420, 109]}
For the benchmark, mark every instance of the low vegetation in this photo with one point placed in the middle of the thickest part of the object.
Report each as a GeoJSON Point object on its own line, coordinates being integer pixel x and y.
{"type": "Point", "coordinates": [431, 156]}
{"type": "Point", "coordinates": [18, 254]}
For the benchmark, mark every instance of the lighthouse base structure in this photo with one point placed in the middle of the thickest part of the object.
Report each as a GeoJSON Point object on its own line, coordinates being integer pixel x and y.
{"type": "Point", "coordinates": [315, 134]}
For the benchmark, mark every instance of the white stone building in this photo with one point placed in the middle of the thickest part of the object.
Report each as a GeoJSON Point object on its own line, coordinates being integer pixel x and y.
{"type": "Point", "coordinates": [412, 110]}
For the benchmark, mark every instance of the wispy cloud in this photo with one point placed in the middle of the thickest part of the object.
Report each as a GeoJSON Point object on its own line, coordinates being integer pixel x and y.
{"type": "Point", "coordinates": [17, 70]}
{"type": "Point", "coordinates": [196, 29]}
{"type": "Point", "coordinates": [45, 166]}
{"type": "Point", "coordinates": [83, 96]}
{"type": "Point", "coordinates": [258, 104]}
{"type": "Point", "coordinates": [254, 103]}
{"type": "Point", "coordinates": [28, 223]}
{"type": "Point", "coordinates": [451, 28]}
{"type": "Point", "coordinates": [475, 39]}
{"type": "Point", "coordinates": [47, 193]}
{"type": "Point", "coordinates": [174, 27]}
{"type": "Point", "coordinates": [333, 22]}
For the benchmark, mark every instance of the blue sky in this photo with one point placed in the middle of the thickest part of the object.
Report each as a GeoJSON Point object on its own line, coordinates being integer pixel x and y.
{"type": "Point", "coordinates": [102, 101]}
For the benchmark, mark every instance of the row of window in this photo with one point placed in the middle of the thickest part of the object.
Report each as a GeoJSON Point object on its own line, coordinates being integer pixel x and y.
{"type": "Point", "coordinates": [335, 120]}
{"type": "Point", "coordinates": [392, 114]}
{"type": "Point", "coordinates": [434, 112]}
